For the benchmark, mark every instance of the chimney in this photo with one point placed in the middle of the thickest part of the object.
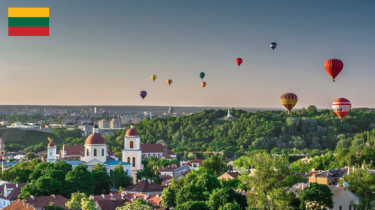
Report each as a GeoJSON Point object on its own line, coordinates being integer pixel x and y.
{"type": "Point", "coordinates": [134, 197]}
{"type": "Point", "coordinates": [313, 169]}
{"type": "Point", "coordinates": [16, 185]}
{"type": "Point", "coordinates": [32, 197]}
{"type": "Point", "coordinates": [54, 196]}
{"type": "Point", "coordinates": [149, 181]}
{"type": "Point", "coordinates": [103, 196]}
{"type": "Point", "coordinates": [111, 195]}
{"type": "Point", "coordinates": [122, 196]}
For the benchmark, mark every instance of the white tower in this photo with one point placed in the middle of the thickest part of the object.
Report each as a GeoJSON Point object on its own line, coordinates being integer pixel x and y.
{"type": "Point", "coordinates": [2, 147]}
{"type": "Point", "coordinates": [95, 148]}
{"type": "Point", "coordinates": [132, 152]}
{"type": "Point", "coordinates": [51, 152]}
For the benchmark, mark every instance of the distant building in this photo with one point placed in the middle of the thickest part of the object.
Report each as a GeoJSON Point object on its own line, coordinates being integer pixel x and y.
{"type": "Point", "coordinates": [170, 110]}
{"type": "Point", "coordinates": [229, 115]}
{"type": "Point", "coordinates": [194, 164]}
{"type": "Point", "coordinates": [2, 147]}
{"type": "Point", "coordinates": [86, 129]}
{"type": "Point", "coordinates": [229, 175]}
{"type": "Point", "coordinates": [104, 124]}
{"type": "Point", "coordinates": [115, 123]}
{"type": "Point", "coordinates": [145, 187]}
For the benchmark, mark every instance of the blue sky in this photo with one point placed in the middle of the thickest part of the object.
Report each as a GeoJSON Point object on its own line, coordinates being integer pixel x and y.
{"type": "Point", "coordinates": [101, 53]}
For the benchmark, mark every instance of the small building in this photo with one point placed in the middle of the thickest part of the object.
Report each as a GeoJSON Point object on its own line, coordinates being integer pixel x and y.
{"type": "Point", "coordinates": [9, 193]}
{"type": "Point", "coordinates": [145, 187]}
{"type": "Point", "coordinates": [157, 150]}
{"type": "Point", "coordinates": [194, 164]}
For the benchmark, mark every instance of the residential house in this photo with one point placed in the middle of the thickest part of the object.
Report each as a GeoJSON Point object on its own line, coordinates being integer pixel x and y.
{"type": "Point", "coordinates": [229, 175]}
{"type": "Point", "coordinates": [9, 193]}
{"type": "Point", "coordinates": [37, 203]}
{"type": "Point", "coordinates": [145, 187]}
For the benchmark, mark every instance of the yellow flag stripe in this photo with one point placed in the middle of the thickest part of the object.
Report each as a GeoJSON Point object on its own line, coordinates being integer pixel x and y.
{"type": "Point", "coordinates": [28, 12]}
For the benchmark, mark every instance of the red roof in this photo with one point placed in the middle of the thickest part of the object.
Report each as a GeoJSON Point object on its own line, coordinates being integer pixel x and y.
{"type": "Point", "coordinates": [51, 144]}
{"type": "Point", "coordinates": [144, 187]}
{"type": "Point", "coordinates": [95, 138]}
{"type": "Point", "coordinates": [37, 202]}
{"type": "Point", "coordinates": [132, 132]}
{"type": "Point", "coordinates": [152, 148]}
{"type": "Point", "coordinates": [74, 150]}
{"type": "Point", "coordinates": [15, 192]}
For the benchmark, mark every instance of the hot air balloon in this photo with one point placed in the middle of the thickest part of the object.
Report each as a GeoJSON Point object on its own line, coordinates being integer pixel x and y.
{"type": "Point", "coordinates": [273, 45]}
{"type": "Point", "coordinates": [333, 67]}
{"type": "Point", "coordinates": [341, 107]}
{"type": "Point", "coordinates": [203, 84]}
{"type": "Point", "coordinates": [288, 100]}
{"type": "Point", "coordinates": [143, 94]}
{"type": "Point", "coordinates": [202, 74]}
{"type": "Point", "coordinates": [238, 61]}
{"type": "Point", "coordinates": [153, 77]}
{"type": "Point", "coordinates": [169, 81]}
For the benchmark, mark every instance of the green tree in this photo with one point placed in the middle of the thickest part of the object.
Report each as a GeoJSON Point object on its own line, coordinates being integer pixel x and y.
{"type": "Point", "coordinates": [363, 184]}
{"type": "Point", "coordinates": [134, 206]}
{"type": "Point", "coordinates": [316, 197]}
{"type": "Point", "coordinates": [230, 206]}
{"type": "Point", "coordinates": [79, 180]}
{"type": "Point", "coordinates": [102, 179]}
{"type": "Point", "coordinates": [270, 182]}
{"type": "Point", "coordinates": [120, 177]}
{"type": "Point", "coordinates": [43, 186]}
{"type": "Point", "coordinates": [190, 193]}
{"type": "Point", "coordinates": [217, 164]}
{"type": "Point", "coordinates": [30, 156]}
{"type": "Point", "coordinates": [221, 196]}
{"type": "Point", "coordinates": [194, 205]}
{"type": "Point", "coordinates": [75, 202]}
{"type": "Point", "coordinates": [168, 197]}
{"type": "Point", "coordinates": [52, 206]}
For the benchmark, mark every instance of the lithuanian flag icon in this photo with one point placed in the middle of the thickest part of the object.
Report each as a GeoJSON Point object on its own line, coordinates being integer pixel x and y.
{"type": "Point", "coordinates": [28, 21]}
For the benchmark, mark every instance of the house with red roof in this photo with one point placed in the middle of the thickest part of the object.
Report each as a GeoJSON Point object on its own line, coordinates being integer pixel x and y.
{"type": "Point", "coordinates": [9, 193]}
{"type": "Point", "coordinates": [37, 203]}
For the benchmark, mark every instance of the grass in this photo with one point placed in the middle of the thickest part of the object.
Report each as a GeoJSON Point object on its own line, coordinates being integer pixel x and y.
{"type": "Point", "coordinates": [27, 137]}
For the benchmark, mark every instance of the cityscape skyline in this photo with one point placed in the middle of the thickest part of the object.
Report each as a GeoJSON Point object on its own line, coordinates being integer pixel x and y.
{"type": "Point", "coordinates": [104, 54]}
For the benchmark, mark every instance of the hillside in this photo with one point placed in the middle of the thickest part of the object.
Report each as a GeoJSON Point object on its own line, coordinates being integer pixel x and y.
{"type": "Point", "coordinates": [26, 138]}
{"type": "Point", "coordinates": [270, 130]}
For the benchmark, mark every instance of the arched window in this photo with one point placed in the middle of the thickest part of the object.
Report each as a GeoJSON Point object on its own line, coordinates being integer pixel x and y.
{"type": "Point", "coordinates": [133, 161]}
{"type": "Point", "coordinates": [131, 144]}
{"type": "Point", "coordinates": [87, 153]}
{"type": "Point", "coordinates": [128, 159]}
{"type": "Point", "coordinates": [94, 152]}
{"type": "Point", "coordinates": [102, 152]}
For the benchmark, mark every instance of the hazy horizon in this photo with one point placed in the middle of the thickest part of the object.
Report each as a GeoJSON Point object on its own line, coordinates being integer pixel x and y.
{"type": "Point", "coordinates": [104, 53]}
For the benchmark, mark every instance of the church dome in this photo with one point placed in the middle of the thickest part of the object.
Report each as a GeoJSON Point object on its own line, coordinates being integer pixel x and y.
{"type": "Point", "coordinates": [132, 131]}
{"type": "Point", "coordinates": [95, 138]}
{"type": "Point", "coordinates": [51, 144]}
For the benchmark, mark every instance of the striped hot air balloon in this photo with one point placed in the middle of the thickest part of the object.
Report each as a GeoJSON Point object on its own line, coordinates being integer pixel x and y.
{"type": "Point", "coordinates": [341, 107]}
{"type": "Point", "coordinates": [288, 100]}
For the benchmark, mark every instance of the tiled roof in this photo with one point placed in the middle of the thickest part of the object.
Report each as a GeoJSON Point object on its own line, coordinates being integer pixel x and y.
{"type": "Point", "coordinates": [110, 204]}
{"type": "Point", "coordinates": [110, 158]}
{"type": "Point", "coordinates": [125, 197]}
{"type": "Point", "coordinates": [116, 162]}
{"type": "Point", "coordinates": [37, 202]}
{"type": "Point", "coordinates": [74, 150]}
{"type": "Point", "coordinates": [152, 148]}
{"type": "Point", "coordinates": [167, 169]}
{"type": "Point", "coordinates": [15, 192]}
{"type": "Point", "coordinates": [144, 187]}
{"type": "Point", "coordinates": [234, 174]}
{"type": "Point", "coordinates": [170, 152]}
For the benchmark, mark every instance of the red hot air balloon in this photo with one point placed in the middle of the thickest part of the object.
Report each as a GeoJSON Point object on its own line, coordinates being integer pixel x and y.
{"type": "Point", "coordinates": [341, 107]}
{"type": "Point", "coordinates": [203, 84]}
{"type": "Point", "coordinates": [333, 67]}
{"type": "Point", "coordinates": [238, 61]}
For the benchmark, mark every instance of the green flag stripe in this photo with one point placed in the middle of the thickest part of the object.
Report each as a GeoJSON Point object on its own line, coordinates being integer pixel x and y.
{"type": "Point", "coordinates": [28, 22]}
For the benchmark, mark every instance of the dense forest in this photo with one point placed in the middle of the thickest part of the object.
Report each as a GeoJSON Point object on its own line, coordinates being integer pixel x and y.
{"type": "Point", "coordinates": [275, 131]}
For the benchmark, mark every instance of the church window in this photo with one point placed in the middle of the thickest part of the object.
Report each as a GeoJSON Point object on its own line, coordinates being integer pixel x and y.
{"type": "Point", "coordinates": [131, 144]}
{"type": "Point", "coordinates": [102, 152]}
{"type": "Point", "coordinates": [87, 153]}
{"type": "Point", "coordinates": [133, 161]}
{"type": "Point", "coordinates": [128, 159]}
{"type": "Point", "coordinates": [94, 152]}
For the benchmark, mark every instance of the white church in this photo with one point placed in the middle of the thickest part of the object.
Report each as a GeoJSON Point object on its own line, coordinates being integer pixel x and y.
{"type": "Point", "coordinates": [96, 152]}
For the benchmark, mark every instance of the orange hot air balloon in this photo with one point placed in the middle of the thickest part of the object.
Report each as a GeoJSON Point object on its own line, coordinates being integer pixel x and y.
{"type": "Point", "coordinates": [341, 107]}
{"type": "Point", "coordinates": [238, 61]}
{"type": "Point", "coordinates": [203, 84]}
{"type": "Point", "coordinates": [333, 67]}
{"type": "Point", "coordinates": [169, 82]}
{"type": "Point", "coordinates": [288, 100]}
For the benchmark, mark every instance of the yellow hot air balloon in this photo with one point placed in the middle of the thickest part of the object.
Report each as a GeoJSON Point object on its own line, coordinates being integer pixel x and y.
{"type": "Point", "coordinates": [288, 100]}
{"type": "Point", "coordinates": [169, 82]}
{"type": "Point", "coordinates": [153, 77]}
